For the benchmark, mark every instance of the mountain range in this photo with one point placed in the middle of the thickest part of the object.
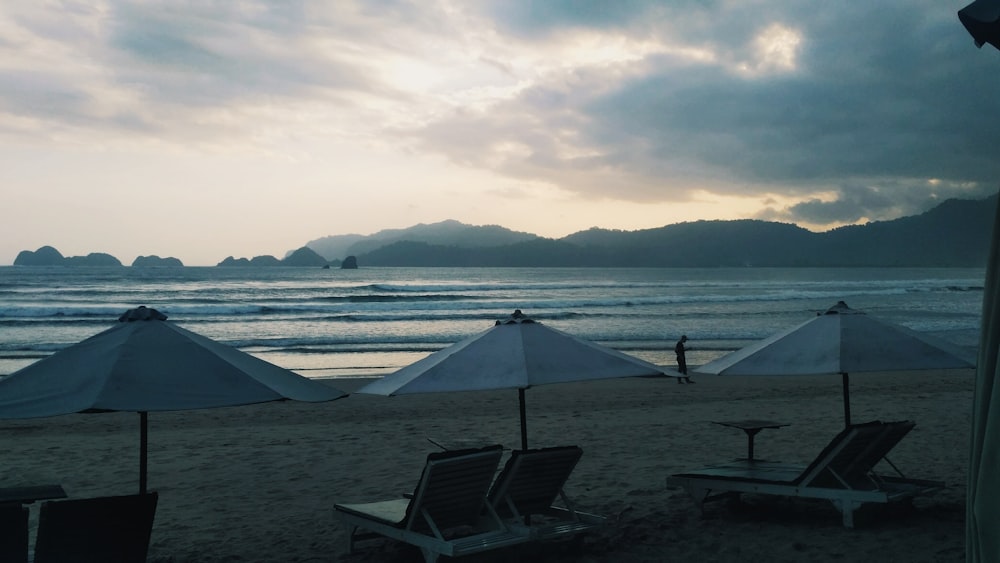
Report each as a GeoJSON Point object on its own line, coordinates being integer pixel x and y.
{"type": "Point", "coordinates": [956, 233]}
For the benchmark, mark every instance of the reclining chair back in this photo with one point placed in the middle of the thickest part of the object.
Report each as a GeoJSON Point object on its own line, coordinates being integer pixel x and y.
{"type": "Point", "coordinates": [847, 462]}
{"type": "Point", "coordinates": [107, 529]}
{"type": "Point", "coordinates": [452, 489]}
{"type": "Point", "coordinates": [13, 533]}
{"type": "Point", "coordinates": [532, 480]}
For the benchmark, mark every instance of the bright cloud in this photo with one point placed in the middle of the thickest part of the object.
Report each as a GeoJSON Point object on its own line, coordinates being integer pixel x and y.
{"type": "Point", "coordinates": [776, 49]}
{"type": "Point", "coordinates": [259, 126]}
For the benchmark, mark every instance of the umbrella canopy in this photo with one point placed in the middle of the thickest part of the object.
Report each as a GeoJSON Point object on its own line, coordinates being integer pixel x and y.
{"type": "Point", "coordinates": [146, 363]}
{"type": "Point", "coordinates": [516, 353]}
{"type": "Point", "coordinates": [982, 20]}
{"type": "Point", "coordinates": [841, 341]}
{"type": "Point", "coordinates": [982, 506]}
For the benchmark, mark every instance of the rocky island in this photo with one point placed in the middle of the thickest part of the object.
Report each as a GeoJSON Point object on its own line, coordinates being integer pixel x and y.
{"type": "Point", "coordinates": [48, 256]}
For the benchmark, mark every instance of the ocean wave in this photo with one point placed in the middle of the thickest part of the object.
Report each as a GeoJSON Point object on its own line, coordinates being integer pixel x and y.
{"type": "Point", "coordinates": [308, 322]}
{"type": "Point", "coordinates": [391, 298]}
{"type": "Point", "coordinates": [916, 284]}
{"type": "Point", "coordinates": [377, 308]}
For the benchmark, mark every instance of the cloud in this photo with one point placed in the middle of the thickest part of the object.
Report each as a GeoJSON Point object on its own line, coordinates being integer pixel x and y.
{"type": "Point", "coordinates": [528, 19]}
{"type": "Point", "coordinates": [858, 110]}
{"type": "Point", "coordinates": [857, 203]}
{"type": "Point", "coordinates": [179, 72]}
{"type": "Point", "coordinates": [747, 99]}
{"type": "Point", "coordinates": [213, 54]}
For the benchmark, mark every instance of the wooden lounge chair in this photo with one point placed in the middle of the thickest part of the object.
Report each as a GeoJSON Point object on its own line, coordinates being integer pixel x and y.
{"type": "Point", "coordinates": [529, 485]}
{"type": "Point", "coordinates": [843, 473]}
{"type": "Point", "coordinates": [13, 533]}
{"type": "Point", "coordinates": [106, 529]}
{"type": "Point", "coordinates": [442, 516]}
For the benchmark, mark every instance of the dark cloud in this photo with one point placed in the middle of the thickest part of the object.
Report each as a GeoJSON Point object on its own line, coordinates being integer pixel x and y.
{"type": "Point", "coordinates": [887, 105]}
{"type": "Point", "coordinates": [531, 18]}
{"type": "Point", "coordinates": [213, 55]}
{"type": "Point", "coordinates": [859, 203]}
{"type": "Point", "coordinates": [866, 103]}
{"type": "Point", "coordinates": [883, 98]}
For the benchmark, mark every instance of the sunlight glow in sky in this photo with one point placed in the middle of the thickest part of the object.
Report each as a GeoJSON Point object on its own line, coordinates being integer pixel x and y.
{"type": "Point", "coordinates": [205, 130]}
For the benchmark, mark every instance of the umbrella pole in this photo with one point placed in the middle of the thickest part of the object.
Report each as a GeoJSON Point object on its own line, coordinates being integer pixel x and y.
{"type": "Point", "coordinates": [847, 401]}
{"type": "Point", "coordinates": [143, 446]}
{"type": "Point", "coordinates": [524, 420]}
{"type": "Point", "coordinates": [524, 436]}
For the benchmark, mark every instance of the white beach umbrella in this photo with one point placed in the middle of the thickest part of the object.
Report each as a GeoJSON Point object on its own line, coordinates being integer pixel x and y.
{"type": "Point", "coordinates": [982, 20]}
{"type": "Point", "coordinates": [983, 483]}
{"type": "Point", "coordinates": [516, 353]}
{"type": "Point", "coordinates": [982, 513]}
{"type": "Point", "coordinates": [841, 341]}
{"type": "Point", "coordinates": [146, 363]}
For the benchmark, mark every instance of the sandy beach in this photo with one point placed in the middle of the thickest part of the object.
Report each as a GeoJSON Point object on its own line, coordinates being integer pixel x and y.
{"type": "Point", "coordinates": [258, 483]}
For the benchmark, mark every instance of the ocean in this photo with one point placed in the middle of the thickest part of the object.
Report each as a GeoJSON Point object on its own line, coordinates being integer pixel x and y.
{"type": "Point", "coordinates": [330, 323]}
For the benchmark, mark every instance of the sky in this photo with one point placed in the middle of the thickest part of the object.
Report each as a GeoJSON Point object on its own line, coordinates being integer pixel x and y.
{"type": "Point", "coordinates": [206, 129]}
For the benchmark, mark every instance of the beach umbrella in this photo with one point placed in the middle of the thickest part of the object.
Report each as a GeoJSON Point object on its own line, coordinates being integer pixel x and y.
{"type": "Point", "coordinates": [982, 20]}
{"type": "Point", "coordinates": [983, 482]}
{"type": "Point", "coordinates": [516, 353]}
{"type": "Point", "coordinates": [143, 364]}
{"type": "Point", "coordinates": [841, 341]}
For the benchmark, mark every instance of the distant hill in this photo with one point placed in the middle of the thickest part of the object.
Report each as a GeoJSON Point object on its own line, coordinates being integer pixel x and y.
{"type": "Point", "coordinates": [334, 246]}
{"type": "Point", "coordinates": [702, 244]}
{"type": "Point", "coordinates": [538, 252]}
{"type": "Point", "coordinates": [49, 256]}
{"type": "Point", "coordinates": [156, 262]}
{"type": "Point", "coordinates": [956, 233]}
{"type": "Point", "coordinates": [301, 257]}
{"type": "Point", "coordinates": [445, 233]}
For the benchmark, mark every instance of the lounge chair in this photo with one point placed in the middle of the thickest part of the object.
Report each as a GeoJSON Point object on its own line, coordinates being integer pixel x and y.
{"type": "Point", "coordinates": [13, 533]}
{"type": "Point", "coordinates": [443, 515]}
{"type": "Point", "coordinates": [529, 485]}
{"type": "Point", "coordinates": [843, 473]}
{"type": "Point", "coordinates": [107, 529]}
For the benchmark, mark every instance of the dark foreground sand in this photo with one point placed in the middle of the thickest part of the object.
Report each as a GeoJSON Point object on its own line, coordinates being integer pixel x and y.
{"type": "Point", "coordinates": [258, 483]}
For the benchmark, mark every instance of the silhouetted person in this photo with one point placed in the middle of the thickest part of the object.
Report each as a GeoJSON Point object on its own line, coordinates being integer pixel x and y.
{"type": "Point", "coordinates": [682, 365]}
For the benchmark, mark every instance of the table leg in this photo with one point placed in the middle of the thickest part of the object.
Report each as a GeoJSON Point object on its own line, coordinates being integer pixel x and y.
{"type": "Point", "coordinates": [751, 432]}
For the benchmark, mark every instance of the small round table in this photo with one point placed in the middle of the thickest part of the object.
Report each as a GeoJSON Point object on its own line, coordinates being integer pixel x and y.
{"type": "Point", "coordinates": [751, 427]}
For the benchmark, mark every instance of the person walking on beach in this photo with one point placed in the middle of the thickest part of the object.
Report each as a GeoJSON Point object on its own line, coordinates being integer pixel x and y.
{"type": "Point", "coordinates": [682, 365]}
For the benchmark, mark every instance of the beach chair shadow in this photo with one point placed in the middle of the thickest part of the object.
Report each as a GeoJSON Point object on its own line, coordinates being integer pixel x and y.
{"type": "Point", "coordinates": [526, 491]}
{"type": "Point", "coordinates": [442, 516]}
{"type": "Point", "coordinates": [843, 473]}
{"type": "Point", "coordinates": [13, 533]}
{"type": "Point", "coordinates": [113, 529]}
